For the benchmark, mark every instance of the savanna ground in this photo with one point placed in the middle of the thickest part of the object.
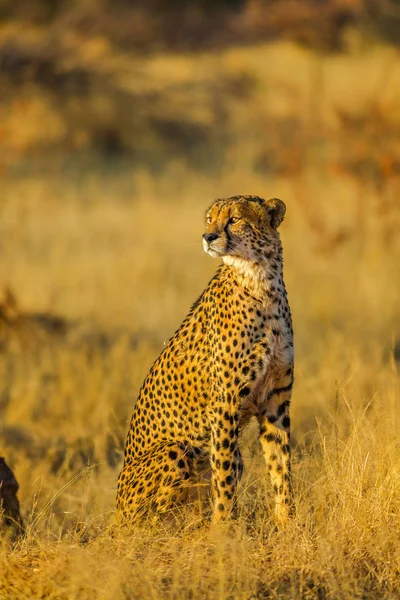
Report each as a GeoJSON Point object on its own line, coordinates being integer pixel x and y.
{"type": "Point", "coordinates": [113, 247]}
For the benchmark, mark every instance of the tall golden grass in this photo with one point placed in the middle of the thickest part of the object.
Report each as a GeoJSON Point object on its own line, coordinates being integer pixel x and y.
{"type": "Point", "coordinates": [119, 256]}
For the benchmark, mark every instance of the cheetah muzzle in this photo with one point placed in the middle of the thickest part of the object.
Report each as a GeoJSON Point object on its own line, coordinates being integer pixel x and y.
{"type": "Point", "coordinates": [231, 359]}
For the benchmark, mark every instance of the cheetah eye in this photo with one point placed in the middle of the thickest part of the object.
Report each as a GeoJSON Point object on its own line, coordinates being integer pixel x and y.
{"type": "Point", "coordinates": [233, 220]}
{"type": "Point", "coordinates": [208, 219]}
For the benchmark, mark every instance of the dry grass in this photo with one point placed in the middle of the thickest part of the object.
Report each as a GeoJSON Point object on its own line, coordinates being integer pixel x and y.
{"type": "Point", "coordinates": [119, 256]}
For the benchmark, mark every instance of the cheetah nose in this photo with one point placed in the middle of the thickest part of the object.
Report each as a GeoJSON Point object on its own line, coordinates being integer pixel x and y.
{"type": "Point", "coordinates": [210, 237]}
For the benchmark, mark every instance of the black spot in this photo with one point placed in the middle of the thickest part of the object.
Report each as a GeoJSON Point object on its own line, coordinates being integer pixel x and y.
{"type": "Point", "coordinates": [173, 455]}
{"type": "Point", "coordinates": [282, 408]}
{"type": "Point", "coordinates": [275, 391]}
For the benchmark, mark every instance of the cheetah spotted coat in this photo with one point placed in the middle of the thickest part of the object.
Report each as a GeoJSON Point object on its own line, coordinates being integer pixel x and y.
{"type": "Point", "coordinates": [231, 359]}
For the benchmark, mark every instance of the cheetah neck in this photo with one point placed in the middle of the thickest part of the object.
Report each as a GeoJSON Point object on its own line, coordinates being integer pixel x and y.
{"type": "Point", "coordinates": [262, 279]}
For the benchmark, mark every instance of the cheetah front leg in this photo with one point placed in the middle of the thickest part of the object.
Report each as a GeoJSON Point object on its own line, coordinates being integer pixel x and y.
{"type": "Point", "coordinates": [226, 462]}
{"type": "Point", "coordinates": [275, 438]}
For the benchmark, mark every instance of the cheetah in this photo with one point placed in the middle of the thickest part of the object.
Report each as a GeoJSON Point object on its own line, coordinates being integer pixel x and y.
{"type": "Point", "coordinates": [231, 359]}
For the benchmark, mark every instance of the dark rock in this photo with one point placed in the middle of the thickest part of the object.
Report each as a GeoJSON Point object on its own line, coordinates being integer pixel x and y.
{"type": "Point", "coordinates": [10, 516]}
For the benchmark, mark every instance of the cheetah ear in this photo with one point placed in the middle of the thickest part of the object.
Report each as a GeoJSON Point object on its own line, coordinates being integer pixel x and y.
{"type": "Point", "coordinates": [276, 210]}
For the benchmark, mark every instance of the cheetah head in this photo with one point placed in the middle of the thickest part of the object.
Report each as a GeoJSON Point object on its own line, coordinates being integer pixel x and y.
{"type": "Point", "coordinates": [243, 227]}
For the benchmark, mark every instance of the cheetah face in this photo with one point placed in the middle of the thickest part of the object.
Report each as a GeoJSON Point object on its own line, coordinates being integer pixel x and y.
{"type": "Point", "coordinates": [243, 227]}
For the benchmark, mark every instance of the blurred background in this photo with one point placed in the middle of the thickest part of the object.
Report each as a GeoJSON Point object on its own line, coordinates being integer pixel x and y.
{"type": "Point", "coordinates": [120, 122]}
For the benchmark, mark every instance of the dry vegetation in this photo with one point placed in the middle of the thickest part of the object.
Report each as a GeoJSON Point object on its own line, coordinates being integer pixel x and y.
{"type": "Point", "coordinates": [115, 253]}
